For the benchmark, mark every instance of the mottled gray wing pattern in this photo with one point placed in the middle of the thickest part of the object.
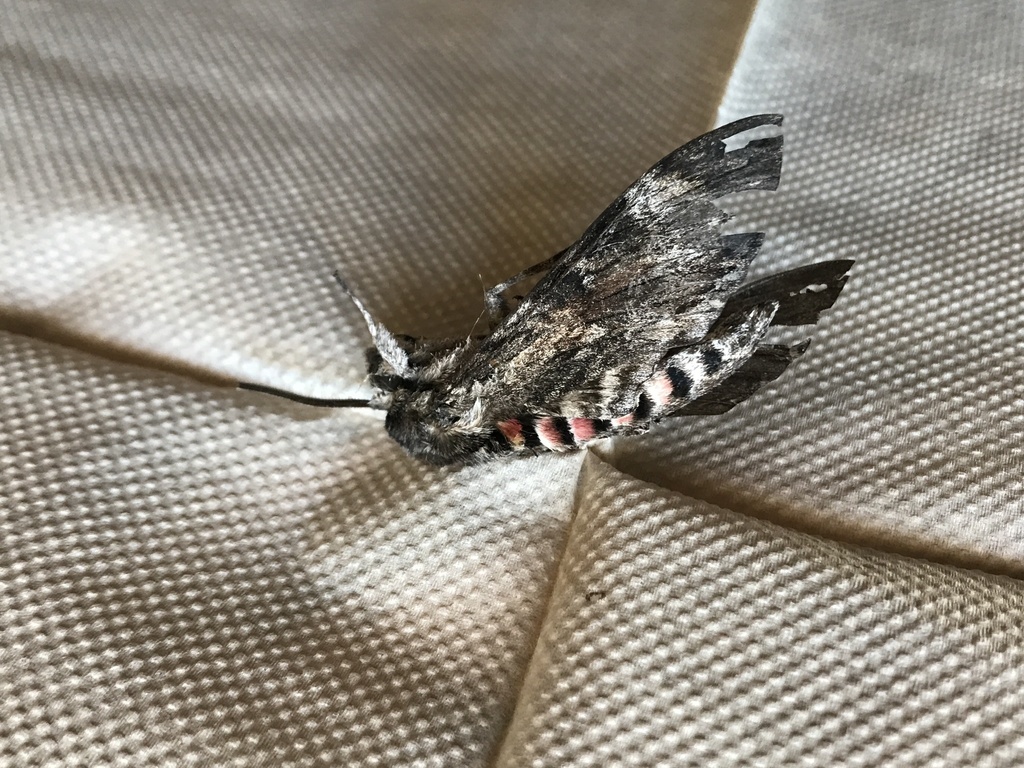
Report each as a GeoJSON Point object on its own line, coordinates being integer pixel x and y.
{"type": "Point", "coordinates": [653, 272]}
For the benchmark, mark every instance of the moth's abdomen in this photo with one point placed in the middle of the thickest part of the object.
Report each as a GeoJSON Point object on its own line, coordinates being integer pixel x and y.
{"type": "Point", "coordinates": [682, 377]}
{"type": "Point", "coordinates": [560, 434]}
{"type": "Point", "coordinates": [552, 433]}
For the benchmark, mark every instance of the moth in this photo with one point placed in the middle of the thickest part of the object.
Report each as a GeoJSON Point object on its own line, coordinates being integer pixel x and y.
{"type": "Point", "coordinates": [645, 317]}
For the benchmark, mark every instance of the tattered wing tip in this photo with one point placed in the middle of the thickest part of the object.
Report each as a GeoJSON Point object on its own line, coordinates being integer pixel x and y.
{"type": "Point", "coordinates": [842, 271]}
{"type": "Point", "coordinates": [823, 282]}
{"type": "Point", "coordinates": [803, 293]}
{"type": "Point", "coordinates": [745, 163]}
{"type": "Point", "coordinates": [743, 125]}
{"type": "Point", "coordinates": [797, 350]}
{"type": "Point", "coordinates": [764, 366]}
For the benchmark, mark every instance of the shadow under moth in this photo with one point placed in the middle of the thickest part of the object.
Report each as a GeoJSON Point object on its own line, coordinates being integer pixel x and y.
{"type": "Point", "coordinates": [644, 317]}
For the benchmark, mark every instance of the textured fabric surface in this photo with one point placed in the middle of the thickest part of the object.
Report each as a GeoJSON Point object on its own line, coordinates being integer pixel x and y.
{"type": "Point", "coordinates": [179, 182]}
{"type": "Point", "coordinates": [195, 576]}
{"type": "Point", "coordinates": [190, 575]}
{"type": "Point", "coordinates": [903, 426]}
{"type": "Point", "coordinates": [683, 634]}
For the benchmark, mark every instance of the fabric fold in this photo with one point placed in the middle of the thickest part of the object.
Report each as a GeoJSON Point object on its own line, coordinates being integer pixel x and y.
{"type": "Point", "coordinates": [681, 633]}
{"type": "Point", "coordinates": [195, 576]}
{"type": "Point", "coordinates": [901, 427]}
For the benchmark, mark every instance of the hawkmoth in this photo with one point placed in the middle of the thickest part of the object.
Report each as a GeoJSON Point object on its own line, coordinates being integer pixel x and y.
{"type": "Point", "coordinates": [646, 316]}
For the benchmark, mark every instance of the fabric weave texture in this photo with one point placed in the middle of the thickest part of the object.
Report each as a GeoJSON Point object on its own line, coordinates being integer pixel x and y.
{"type": "Point", "coordinates": [191, 575]}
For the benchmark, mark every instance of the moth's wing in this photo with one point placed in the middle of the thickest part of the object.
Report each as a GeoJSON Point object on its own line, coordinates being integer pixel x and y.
{"type": "Point", "coordinates": [801, 294]}
{"type": "Point", "coordinates": [653, 272]}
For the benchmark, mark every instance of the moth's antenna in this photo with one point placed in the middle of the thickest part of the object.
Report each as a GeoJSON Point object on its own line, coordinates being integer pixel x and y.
{"type": "Point", "coordinates": [317, 402]}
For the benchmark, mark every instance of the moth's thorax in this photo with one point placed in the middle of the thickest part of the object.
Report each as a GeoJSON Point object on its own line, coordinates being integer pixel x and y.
{"type": "Point", "coordinates": [434, 430]}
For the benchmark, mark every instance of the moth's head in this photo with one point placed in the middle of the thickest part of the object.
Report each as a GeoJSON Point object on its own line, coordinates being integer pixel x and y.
{"type": "Point", "coordinates": [439, 428]}
{"type": "Point", "coordinates": [436, 429]}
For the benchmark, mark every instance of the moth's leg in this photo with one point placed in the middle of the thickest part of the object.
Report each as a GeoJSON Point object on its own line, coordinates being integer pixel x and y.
{"type": "Point", "coordinates": [497, 306]}
{"type": "Point", "coordinates": [421, 354]}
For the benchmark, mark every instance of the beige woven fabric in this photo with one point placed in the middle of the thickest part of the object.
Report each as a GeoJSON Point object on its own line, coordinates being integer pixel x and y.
{"type": "Point", "coordinates": [197, 579]}
{"type": "Point", "coordinates": [902, 426]}
{"type": "Point", "coordinates": [683, 634]}
{"type": "Point", "coordinates": [195, 576]}
{"type": "Point", "coordinates": [190, 575]}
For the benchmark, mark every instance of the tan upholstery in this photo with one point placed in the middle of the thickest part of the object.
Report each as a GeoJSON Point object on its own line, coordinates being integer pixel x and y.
{"type": "Point", "coordinates": [196, 576]}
